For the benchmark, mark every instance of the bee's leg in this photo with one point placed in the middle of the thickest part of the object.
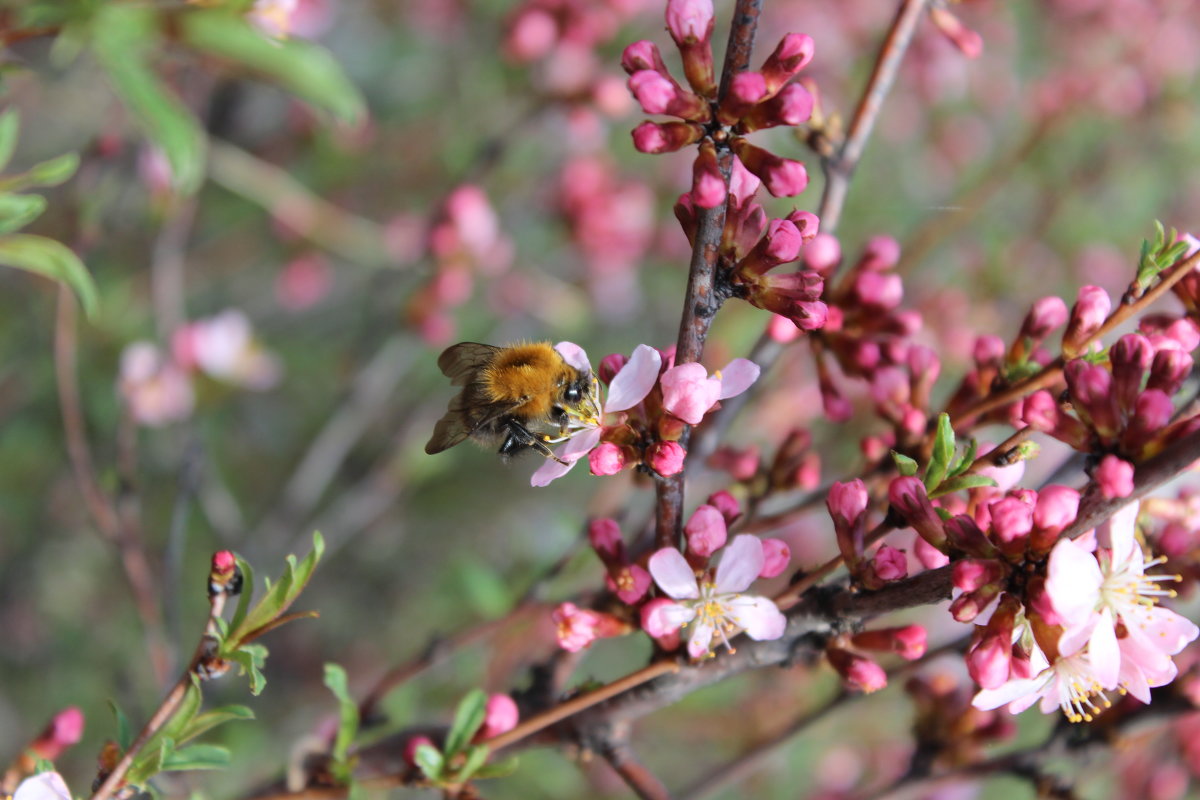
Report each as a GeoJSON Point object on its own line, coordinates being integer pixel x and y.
{"type": "Point", "coordinates": [519, 437]}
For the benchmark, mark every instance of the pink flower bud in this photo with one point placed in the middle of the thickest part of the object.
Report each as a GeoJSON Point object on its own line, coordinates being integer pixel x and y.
{"type": "Point", "coordinates": [689, 20]}
{"type": "Point", "coordinates": [1151, 413]}
{"type": "Point", "coordinates": [881, 291]}
{"type": "Point", "coordinates": [1168, 371]}
{"type": "Point", "coordinates": [705, 531]}
{"type": "Point", "coordinates": [970, 605]}
{"type": "Point", "coordinates": [747, 89]}
{"type": "Point", "coordinates": [847, 501]}
{"type": "Point", "coordinates": [1056, 509]}
{"type": "Point", "coordinates": [1012, 520]}
{"type": "Point", "coordinates": [782, 177]}
{"type": "Point", "coordinates": [988, 351]}
{"type": "Point", "coordinates": [666, 458]}
{"type": "Point", "coordinates": [890, 564]}
{"type": "Point", "coordinates": [606, 459]}
{"type": "Point", "coordinates": [807, 223]}
{"type": "Point", "coordinates": [501, 716]}
{"type": "Point", "coordinates": [989, 662]}
{"type": "Point", "coordinates": [643, 55]}
{"type": "Point", "coordinates": [610, 365]}
{"type": "Point", "coordinates": [665, 137]}
{"type": "Point", "coordinates": [776, 557]}
{"type": "Point", "coordinates": [909, 642]}
{"type": "Point", "coordinates": [1091, 309]}
{"type": "Point", "coordinates": [858, 672]}
{"type": "Point", "coordinates": [781, 244]}
{"type": "Point", "coordinates": [908, 497]}
{"type": "Point", "coordinates": [1115, 477]}
{"type": "Point", "coordinates": [531, 35]}
{"type": "Point", "coordinates": [1043, 318]}
{"type": "Point", "coordinates": [1091, 387]}
{"type": "Point", "coordinates": [658, 95]}
{"type": "Point", "coordinates": [726, 503]}
{"type": "Point", "coordinates": [740, 463]}
{"type": "Point", "coordinates": [823, 253]}
{"type": "Point", "coordinates": [604, 535]}
{"type": "Point", "coordinates": [971, 574]}
{"type": "Point", "coordinates": [791, 55]}
{"type": "Point", "coordinates": [881, 253]}
{"type": "Point", "coordinates": [708, 185]}
{"type": "Point", "coordinates": [63, 730]}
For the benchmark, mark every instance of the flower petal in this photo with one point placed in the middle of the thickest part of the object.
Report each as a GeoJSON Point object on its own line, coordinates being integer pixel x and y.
{"type": "Point", "coordinates": [737, 376]}
{"type": "Point", "coordinates": [669, 617]}
{"type": "Point", "coordinates": [43, 786]}
{"type": "Point", "coordinates": [760, 617]}
{"type": "Point", "coordinates": [1011, 693]}
{"type": "Point", "coordinates": [673, 574]}
{"type": "Point", "coordinates": [1117, 532]}
{"type": "Point", "coordinates": [574, 355]}
{"type": "Point", "coordinates": [740, 565]}
{"type": "Point", "coordinates": [701, 639]}
{"type": "Point", "coordinates": [1103, 653]}
{"type": "Point", "coordinates": [575, 448]}
{"type": "Point", "coordinates": [635, 380]}
{"type": "Point", "coordinates": [1073, 581]}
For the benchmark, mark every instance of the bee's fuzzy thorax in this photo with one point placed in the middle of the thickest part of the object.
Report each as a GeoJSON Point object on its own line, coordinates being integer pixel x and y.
{"type": "Point", "coordinates": [526, 370]}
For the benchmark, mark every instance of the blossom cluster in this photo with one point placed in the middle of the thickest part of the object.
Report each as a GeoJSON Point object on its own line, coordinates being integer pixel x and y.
{"type": "Point", "coordinates": [159, 388]}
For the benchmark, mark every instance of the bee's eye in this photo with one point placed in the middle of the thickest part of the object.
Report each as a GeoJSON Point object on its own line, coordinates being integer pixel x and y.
{"type": "Point", "coordinates": [572, 395]}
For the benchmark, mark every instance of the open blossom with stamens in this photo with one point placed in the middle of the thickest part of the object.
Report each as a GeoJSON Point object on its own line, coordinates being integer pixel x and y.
{"type": "Point", "coordinates": [1070, 684]}
{"type": "Point", "coordinates": [1093, 592]}
{"type": "Point", "coordinates": [717, 607]}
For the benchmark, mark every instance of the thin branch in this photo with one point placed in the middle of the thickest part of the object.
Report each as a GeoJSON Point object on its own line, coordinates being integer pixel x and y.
{"type": "Point", "coordinates": [644, 783]}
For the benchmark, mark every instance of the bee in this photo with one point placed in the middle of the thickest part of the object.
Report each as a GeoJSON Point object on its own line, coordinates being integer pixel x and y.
{"type": "Point", "coordinates": [525, 396]}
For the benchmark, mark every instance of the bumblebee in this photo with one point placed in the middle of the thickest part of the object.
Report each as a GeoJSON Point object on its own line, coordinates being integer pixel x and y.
{"type": "Point", "coordinates": [525, 397]}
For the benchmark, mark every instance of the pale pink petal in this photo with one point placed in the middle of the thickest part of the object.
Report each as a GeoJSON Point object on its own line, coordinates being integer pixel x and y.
{"type": "Point", "coordinates": [760, 618]}
{"type": "Point", "coordinates": [740, 565]}
{"type": "Point", "coordinates": [43, 786]}
{"type": "Point", "coordinates": [1167, 631]}
{"type": "Point", "coordinates": [702, 635]}
{"type": "Point", "coordinates": [574, 355]}
{"type": "Point", "coordinates": [1103, 653]}
{"type": "Point", "coordinates": [576, 448]}
{"type": "Point", "coordinates": [635, 380]}
{"type": "Point", "coordinates": [1133, 680]}
{"type": "Point", "coordinates": [1010, 694]}
{"type": "Point", "coordinates": [1117, 532]}
{"type": "Point", "coordinates": [673, 574]}
{"type": "Point", "coordinates": [667, 617]}
{"type": "Point", "coordinates": [1075, 637]}
{"type": "Point", "coordinates": [688, 392]}
{"type": "Point", "coordinates": [737, 376]}
{"type": "Point", "coordinates": [1073, 581]}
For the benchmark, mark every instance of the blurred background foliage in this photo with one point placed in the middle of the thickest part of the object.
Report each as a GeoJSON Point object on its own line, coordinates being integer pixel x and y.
{"type": "Point", "coordinates": [302, 179]}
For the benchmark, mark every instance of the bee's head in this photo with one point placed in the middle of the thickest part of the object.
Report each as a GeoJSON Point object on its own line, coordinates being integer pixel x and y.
{"type": "Point", "coordinates": [581, 397]}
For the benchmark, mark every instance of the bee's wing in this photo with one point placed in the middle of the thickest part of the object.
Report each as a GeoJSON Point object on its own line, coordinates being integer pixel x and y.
{"type": "Point", "coordinates": [462, 361]}
{"type": "Point", "coordinates": [468, 413]}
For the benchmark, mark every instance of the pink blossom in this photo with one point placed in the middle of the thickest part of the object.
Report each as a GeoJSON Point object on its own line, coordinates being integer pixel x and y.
{"type": "Point", "coordinates": [224, 347]}
{"type": "Point", "coordinates": [717, 607]}
{"type": "Point", "coordinates": [689, 20]}
{"type": "Point", "coordinates": [708, 185]}
{"type": "Point", "coordinates": [576, 627]}
{"type": "Point", "coordinates": [776, 557]}
{"type": "Point", "coordinates": [628, 582]}
{"type": "Point", "coordinates": [689, 391]}
{"type": "Point", "coordinates": [1115, 477]}
{"type": "Point", "coordinates": [666, 458]}
{"type": "Point", "coordinates": [726, 503]}
{"type": "Point", "coordinates": [823, 253]}
{"type": "Point", "coordinates": [303, 282]}
{"type": "Point", "coordinates": [157, 391]}
{"type": "Point", "coordinates": [1069, 684]}
{"type": "Point", "coordinates": [705, 531]}
{"type": "Point", "coordinates": [1044, 317]}
{"type": "Point", "coordinates": [857, 671]}
{"type": "Point", "coordinates": [628, 387]}
{"type": "Point", "coordinates": [1091, 309]}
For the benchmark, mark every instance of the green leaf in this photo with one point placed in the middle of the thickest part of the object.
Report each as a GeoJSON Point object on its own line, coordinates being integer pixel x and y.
{"type": "Point", "coordinates": [960, 482]}
{"type": "Point", "coordinates": [476, 757]}
{"type": "Point", "coordinates": [968, 458]}
{"type": "Point", "coordinates": [18, 210]}
{"type": "Point", "coordinates": [303, 68]}
{"type": "Point", "coordinates": [123, 34]}
{"type": "Point", "coordinates": [203, 723]}
{"type": "Point", "coordinates": [906, 466]}
{"type": "Point", "coordinates": [10, 123]}
{"type": "Point", "coordinates": [124, 732]}
{"type": "Point", "coordinates": [243, 605]}
{"type": "Point", "coordinates": [48, 173]}
{"type": "Point", "coordinates": [430, 761]}
{"type": "Point", "coordinates": [335, 679]}
{"type": "Point", "coordinates": [467, 719]}
{"type": "Point", "coordinates": [943, 453]}
{"type": "Point", "coordinates": [498, 769]}
{"type": "Point", "coordinates": [53, 260]}
{"type": "Point", "coordinates": [282, 594]}
{"type": "Point", "coordinates": [251, 657]}
{"type": "Point", "coordinates": [197, 756]}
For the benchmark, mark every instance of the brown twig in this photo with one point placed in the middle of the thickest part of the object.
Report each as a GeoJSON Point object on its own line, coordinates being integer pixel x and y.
{"type": "Point", "coordinates": [644, 783]}
{"type": "Point", "coordinates": [108, 518]}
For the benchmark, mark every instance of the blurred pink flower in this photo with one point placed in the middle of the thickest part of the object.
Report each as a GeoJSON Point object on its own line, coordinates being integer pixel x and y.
{"type": "Point", "coordinates": [43, 786]}
{"type": "Point", "coordinates": [303, 282]}
{"type": "Point", "coordinates": [224, 348]}
{"type": "Point", "coordinates": [156, 390]}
